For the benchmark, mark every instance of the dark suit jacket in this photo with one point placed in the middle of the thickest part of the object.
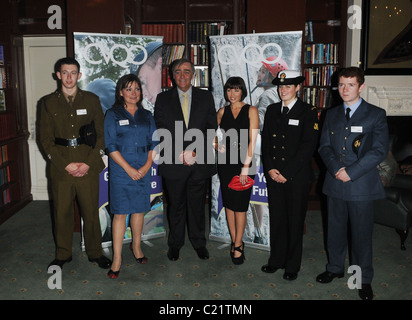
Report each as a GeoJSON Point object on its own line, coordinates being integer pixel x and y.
{"type": "Point", "coordinates": [288, 142]}
{"type": "Point", "coordinates": [369, 124]}
{"type": "Point", "coordinates": [168, 113]}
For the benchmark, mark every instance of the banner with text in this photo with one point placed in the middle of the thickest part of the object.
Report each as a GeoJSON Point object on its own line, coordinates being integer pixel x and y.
{"type": "Point", "coordinates": [257, 58]}
{"type": "Point", "coordinates": [103, 59]}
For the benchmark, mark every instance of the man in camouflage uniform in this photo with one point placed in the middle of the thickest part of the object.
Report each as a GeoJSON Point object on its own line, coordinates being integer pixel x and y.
{"type": "Point", "coordinates": [74, 165]}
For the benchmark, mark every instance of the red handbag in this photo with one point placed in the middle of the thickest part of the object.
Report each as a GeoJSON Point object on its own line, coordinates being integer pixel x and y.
{"type": "Point", "coordinates": [236, 185]}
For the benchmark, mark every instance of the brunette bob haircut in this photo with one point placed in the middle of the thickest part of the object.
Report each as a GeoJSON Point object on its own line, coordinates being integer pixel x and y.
{"type": "Point", "coordinates": [235, 83]}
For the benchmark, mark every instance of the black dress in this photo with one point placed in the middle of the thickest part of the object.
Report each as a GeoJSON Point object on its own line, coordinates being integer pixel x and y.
{"type": "Point", "coordinates": [234, 200]}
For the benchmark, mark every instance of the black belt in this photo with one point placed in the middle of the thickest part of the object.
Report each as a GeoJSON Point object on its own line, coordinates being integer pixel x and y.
{"type": "Point", "coordinates": [69, 142]}
{"type": "Point", "coordinates": [133, 149]}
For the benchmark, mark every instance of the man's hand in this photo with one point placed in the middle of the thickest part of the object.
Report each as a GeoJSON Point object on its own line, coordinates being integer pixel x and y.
{"type": "Point", "coordinates": [77, 169]}
{"type": "Point", "coordinates": [342, 175]}
{"type": "Point", "coordinates": [188, 157]}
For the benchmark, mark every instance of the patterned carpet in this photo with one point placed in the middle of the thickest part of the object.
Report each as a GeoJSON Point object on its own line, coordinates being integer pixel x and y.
{"type": "Point", "coordinates": [28, 247]}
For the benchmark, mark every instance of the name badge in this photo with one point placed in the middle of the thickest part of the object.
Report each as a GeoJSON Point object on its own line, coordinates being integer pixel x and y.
{"type": "Point", "coordinates": [81, 112]}
{"type": "Point", "coordinates": [293, 122]}
{"type": "Point", "coordinates": [358, 129]}
{"type": "Point", "coordinates": [123, 122]}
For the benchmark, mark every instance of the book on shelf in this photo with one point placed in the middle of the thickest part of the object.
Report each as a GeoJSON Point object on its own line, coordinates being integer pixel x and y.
{"type": "Point", "coordinates": [171, 32]}
{"type": "Point", "coordinates": [4, 157]}
{"type": "Point", "coordinates": [308, 31]}
{"type": "Point", "coordinates": [4, 176]}
{"type": "Point", "coordinates": [321, 53]}
{"type": "Point", "coordinates": [199, 31]}
{"type": "Point", "coordinates": [319, 76]}
{"type": "Point", "coordinates": [201, 78]}
{"type": "Point", "coordinates": [171, 53]}
{"type": "Point", "coordinates": [166, 79]}
{"type": "Point", "coordinates": [6, 197]}
{"type": "Point", "coordinates": [318, 97]}
{"type": "Point", "coordinates": [199, 54]}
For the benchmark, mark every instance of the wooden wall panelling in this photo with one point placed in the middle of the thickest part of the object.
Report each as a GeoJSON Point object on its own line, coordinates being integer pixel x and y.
{"type": "Point", "coordinates": [96, 16]}
{"type": "Point", "coordinates": [275, 15]}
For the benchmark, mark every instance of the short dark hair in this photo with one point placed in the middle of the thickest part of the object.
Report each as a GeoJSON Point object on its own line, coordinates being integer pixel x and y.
{"type": "Point", "coordinates": [179, 62]}
{"type": "Point", "coordinates": [353, 72]}
{"type": "Point", "coordinates": [235, 83]}
{"type": "Point", "coordinates": [124, 82]}
{"type": "Point", "coordinates": [66, 60]}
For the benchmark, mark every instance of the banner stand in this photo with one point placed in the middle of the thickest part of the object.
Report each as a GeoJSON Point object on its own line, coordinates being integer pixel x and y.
{"type": "Point", "coordinates": [104, 58]}
{"type": "Point", "coordinates": [256, 58]}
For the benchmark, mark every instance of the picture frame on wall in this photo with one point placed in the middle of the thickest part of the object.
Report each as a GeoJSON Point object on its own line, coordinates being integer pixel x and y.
{"type": "Point", "coordinates": [387, 37]}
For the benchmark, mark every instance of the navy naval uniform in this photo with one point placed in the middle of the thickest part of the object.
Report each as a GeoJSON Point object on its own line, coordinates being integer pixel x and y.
{"type": "Point", "coordinates": [288, 143]}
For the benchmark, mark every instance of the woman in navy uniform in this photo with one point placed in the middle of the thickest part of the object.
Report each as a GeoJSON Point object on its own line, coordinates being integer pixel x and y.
{"type": "Point", "coordinates": [289, 138]}
{"type": "Point", "coordinates": [128, 130]}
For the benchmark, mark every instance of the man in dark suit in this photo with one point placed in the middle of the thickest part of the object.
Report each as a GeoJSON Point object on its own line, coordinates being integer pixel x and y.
{"type": "Point", "coordinates": [289, 138]}
{"type": "Point", "coordinates": [354, 141]}
{"type": "Point", "coordinates": [186, 114]}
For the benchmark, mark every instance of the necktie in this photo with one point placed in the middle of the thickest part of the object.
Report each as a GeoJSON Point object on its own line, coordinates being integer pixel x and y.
{"type": "Point", "coordinates": [347, 114]}
{"type": "Point", "coordinates": [70, 101]}
{"type": "Point", "coordinates": [285, 110]}
{"type": "Point", "coordinates": [185, 108]}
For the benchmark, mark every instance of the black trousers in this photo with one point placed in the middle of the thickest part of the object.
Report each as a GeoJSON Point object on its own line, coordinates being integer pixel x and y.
{"type": "Point", "coordinates": [358, 217]}
{"type": "Point", "coordinates": [186, 198]}
{"type": "Point", "coordinates": [287, 211]}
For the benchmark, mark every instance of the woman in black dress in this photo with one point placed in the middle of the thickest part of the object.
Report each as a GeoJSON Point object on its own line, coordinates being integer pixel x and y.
{"type": "Point", "coordinates": [239, 123]}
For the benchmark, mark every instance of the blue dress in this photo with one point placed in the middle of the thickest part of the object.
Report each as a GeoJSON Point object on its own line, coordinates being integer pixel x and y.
{"type": "Point", "coordinates": [132, 137]}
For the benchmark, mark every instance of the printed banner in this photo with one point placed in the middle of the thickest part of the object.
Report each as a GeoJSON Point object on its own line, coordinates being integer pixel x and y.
{"type": "Point", "coordinates": [103, 59]}
{"type": "Point", "coordinates": [257, 58]}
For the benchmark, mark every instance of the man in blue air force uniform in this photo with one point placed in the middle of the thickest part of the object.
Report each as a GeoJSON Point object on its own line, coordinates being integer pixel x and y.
{"type": "Point", "coordinates": [353, 142]}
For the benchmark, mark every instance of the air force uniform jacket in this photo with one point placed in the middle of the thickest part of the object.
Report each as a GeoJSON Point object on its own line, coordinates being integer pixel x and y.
{"type": "Point", "coordinates": [359, 145]}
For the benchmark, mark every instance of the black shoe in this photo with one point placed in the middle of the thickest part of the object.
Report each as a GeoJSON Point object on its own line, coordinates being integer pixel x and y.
{"type": "Point", "coordinates": [268, 268]}
{"type": "Point", "coordinates": [113, 274]}
{"type": "Point", "coordinates": [327, 277]}
{"type": "Point", "coordinates": [102, 261]}
{"type": "Point", "coordinates": [173, 254]}
{"type": "Point", "coordinates": [366, 292]}
{"type": "Point", "coordinates": [241, 258]}
{"type": "Point", "coordinates": [232, 248]}
{"type": "Point", "coordinates": [59, 263]}
{"type": "Point", "coordinates": [290, 276]}
{"type": "Point", "coordinates": [202, 253]}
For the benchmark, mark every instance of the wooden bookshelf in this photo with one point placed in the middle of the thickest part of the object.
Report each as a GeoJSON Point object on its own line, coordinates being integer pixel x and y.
{"type": "Point", "coordinates": [186, 26]}
{"type": "Point", "coordinates": [15, 181]}
{"type": "Point", "coordinates": [323, 50]}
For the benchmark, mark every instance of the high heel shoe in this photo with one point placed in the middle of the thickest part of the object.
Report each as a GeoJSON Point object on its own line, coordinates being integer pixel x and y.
{"type": "Point", "coordinates": [241, 258]}
{"type": "Point", "coordinates": [232, 248]}
{"type": "Point", "coordinates": [113, 274]}
{"type": "Point", "coordinates": [142, 260]}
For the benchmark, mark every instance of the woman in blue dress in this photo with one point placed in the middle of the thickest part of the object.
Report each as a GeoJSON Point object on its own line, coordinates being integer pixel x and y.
{"type": "Point", "coordinates": [128, 130]}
